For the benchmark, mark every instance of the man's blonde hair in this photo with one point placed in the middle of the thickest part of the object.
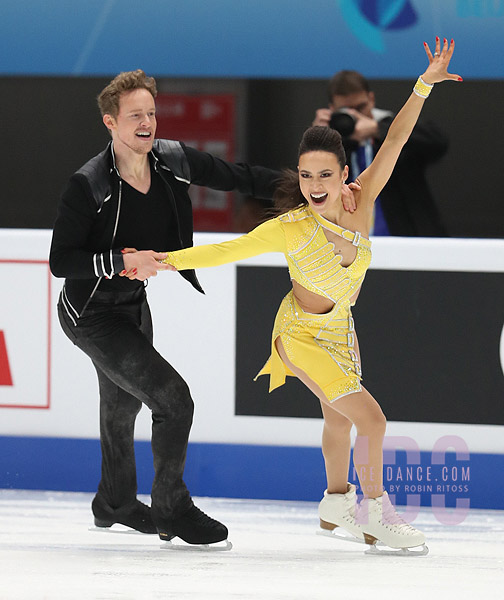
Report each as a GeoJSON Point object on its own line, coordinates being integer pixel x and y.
{"type": "Point", "coordinates": [108, 99]}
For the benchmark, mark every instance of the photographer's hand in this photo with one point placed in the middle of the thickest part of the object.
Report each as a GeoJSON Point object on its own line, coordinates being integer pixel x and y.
{"type": "Point", "coordinates": [322, 117]}
{"type": "Point", "coordinates": [365, 127]}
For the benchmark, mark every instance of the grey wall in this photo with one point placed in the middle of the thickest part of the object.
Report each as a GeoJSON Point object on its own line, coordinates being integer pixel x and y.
{"type": "Point", "coordinates": [51, 126]}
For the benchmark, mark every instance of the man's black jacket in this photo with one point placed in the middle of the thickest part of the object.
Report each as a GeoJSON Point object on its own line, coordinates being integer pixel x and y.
{"type": "Point", "coordinates": [83, 249]}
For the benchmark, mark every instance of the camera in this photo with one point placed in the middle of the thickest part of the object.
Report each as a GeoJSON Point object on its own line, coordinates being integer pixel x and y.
{"type": "Point", "coordinates": [343, 122]}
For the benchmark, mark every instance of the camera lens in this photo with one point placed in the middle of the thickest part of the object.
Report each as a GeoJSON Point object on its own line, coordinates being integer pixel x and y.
{"type": "Point", "coordinates": [342, 122]}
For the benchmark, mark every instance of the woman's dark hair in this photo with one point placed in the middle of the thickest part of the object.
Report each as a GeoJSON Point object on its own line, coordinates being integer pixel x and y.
{"type": "Point", "coordinates": [288, 194]}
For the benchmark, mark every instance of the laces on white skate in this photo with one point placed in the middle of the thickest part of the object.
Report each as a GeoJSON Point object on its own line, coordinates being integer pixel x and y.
{"type": "Point", "coordinates": [391, 519]}
{"type": "Point", "coordinates": [382, 526]}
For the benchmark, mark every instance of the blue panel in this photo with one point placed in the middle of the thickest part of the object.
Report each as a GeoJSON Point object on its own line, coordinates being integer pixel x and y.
{"type": "Point", "coordinates": [225, 38]}
{"type": "Point", "coordinates": [268, 472]}
{"type": "Point", "coordinates": [244, 471]}
{"type": "Point", "coordinates": [49, 463]}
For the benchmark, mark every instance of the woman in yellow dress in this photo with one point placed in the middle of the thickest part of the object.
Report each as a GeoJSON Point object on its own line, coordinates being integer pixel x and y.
{"type": "Point", "coordinates": [328, 252]}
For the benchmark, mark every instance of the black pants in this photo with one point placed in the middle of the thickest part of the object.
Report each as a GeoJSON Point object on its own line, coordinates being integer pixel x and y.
{"type": "Point", "coordinates": [116, 333]}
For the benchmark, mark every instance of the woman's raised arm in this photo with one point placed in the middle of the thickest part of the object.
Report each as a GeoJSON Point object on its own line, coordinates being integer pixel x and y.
{"type": "Point", "coordinates": [374, 178]}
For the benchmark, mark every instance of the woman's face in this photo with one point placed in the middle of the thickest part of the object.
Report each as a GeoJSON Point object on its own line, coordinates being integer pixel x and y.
{"type": "Point", "coordinates": [320, 181]}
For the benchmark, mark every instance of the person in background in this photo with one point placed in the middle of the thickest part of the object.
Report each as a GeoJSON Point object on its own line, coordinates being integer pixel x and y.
{"type": "Point", "coordinates": [406, 206]}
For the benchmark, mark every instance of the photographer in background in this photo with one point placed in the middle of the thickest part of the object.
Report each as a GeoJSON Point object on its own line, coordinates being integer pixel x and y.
{"type": "Point", "coordinates": [405, 205]}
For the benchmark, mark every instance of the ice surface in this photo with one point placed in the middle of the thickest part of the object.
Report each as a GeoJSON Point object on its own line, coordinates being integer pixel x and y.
{"type": "Point", "coordinates": [48, 552]}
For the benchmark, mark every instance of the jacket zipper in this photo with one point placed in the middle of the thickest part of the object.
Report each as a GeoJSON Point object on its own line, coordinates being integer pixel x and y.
{"type": "Point", "coordinates": [111, 245]}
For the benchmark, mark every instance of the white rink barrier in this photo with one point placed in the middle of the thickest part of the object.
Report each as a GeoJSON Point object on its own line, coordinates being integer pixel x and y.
{"type": "Point", "coordinates": [49, 397]}
{"type": "Point", "coordinates": [54, 388]}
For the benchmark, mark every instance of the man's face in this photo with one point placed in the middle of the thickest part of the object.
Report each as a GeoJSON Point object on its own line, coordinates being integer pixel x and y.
{"type": "Point", "coordinates": [135, 125]}
{"type": "Point", "coordinates": [362, 102]}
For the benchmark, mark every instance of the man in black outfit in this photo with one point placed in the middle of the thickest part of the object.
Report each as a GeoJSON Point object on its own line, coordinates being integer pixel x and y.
{"type": "Point", "coordinates": [405, 206]}
{"type": "Point", "coordinates": [116, 216]}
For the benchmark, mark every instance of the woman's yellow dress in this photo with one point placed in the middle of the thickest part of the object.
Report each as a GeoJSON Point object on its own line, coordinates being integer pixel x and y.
{"type": "Point", "coordinates": [321, 345]}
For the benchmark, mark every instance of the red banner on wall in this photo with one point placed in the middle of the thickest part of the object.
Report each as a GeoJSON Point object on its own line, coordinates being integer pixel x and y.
{"type": "Point", "coordinates": [5, 373]}
{"type": "Point", "coordinates": [205, 122]}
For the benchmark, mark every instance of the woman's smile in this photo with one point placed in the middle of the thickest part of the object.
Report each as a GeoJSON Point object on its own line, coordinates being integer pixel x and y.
{"type": "Point", "coordinates": [320, 179]}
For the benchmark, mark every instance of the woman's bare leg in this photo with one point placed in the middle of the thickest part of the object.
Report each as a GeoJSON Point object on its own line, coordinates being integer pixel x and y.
{"type": "Point", "coordinates": [336, 449]}
{"type": "Point", "coordinates": [336, 433]}
{"type": "Point", "coordinates": [362, 410]}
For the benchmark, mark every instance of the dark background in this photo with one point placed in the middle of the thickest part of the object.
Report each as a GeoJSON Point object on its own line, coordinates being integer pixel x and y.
{"type": "Point", "coordinates": [429, 344]}
{"type": "Point", "coordinates": [51, 126]}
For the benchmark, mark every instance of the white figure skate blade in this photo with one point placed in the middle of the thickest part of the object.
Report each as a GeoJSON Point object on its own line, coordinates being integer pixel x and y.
{"type": "Point", "coordinates": [117, 528]}
{"type": "Point", "coordinates": [342, 535]}
{"type": "Point", "coordinates": [376, 549]}
{"type": "Point", "coordinates": [180, 545]}
{"type": "Point", "coordinates": [168, 545]}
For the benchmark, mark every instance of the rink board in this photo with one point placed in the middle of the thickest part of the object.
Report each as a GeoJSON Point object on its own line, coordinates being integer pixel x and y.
{"type": "Point", "coordinates": [436, 368]}
{"type": "Point", "coordinates": [260, 472]}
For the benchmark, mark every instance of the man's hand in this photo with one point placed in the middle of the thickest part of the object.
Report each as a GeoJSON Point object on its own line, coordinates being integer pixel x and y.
{"type": "Point", "coordinates": [142, 264]}
{"type": "Point", "coordinates": [322, 117]}
{"type": "Point", "coordinates": [347, 196]}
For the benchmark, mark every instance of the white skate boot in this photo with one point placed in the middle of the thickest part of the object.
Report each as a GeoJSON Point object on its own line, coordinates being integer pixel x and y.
{"type": "Point", "coordinates": [380, 523]}
{"type": "Point", "coordinates": [338, 510]}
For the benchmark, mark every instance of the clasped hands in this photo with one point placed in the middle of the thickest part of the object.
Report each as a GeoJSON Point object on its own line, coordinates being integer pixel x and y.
{"type": "Point", "coordinates": [142, 264]}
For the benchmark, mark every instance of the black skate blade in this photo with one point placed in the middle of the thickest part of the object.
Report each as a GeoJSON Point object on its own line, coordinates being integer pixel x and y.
{"type": "Point", "coordinates": [381, 550]}
{"type": "Point", "coordinates": [223, 546]}
{"type": "Point", "coordinates": [122, 529]}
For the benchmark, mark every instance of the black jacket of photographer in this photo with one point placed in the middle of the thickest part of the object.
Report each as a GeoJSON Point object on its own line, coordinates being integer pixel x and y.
{"type": "Point", "coordinates": [407, 201]}
{"type": "Point", "coordinates": [83, 249]}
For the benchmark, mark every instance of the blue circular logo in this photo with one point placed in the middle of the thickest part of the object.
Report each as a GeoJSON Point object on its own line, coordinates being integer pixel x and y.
{"type": "Point", "coordinates": [368, 19]}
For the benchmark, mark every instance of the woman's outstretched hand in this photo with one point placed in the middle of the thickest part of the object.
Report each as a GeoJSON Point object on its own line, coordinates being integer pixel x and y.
{"type": "Point", "coordinates": [438, 63]}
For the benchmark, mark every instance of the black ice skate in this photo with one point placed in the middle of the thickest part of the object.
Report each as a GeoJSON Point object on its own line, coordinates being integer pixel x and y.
{"type": "Point", "coordinates": [135, 515]}
{"type": "Point", "coordinates": [195, 528]}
